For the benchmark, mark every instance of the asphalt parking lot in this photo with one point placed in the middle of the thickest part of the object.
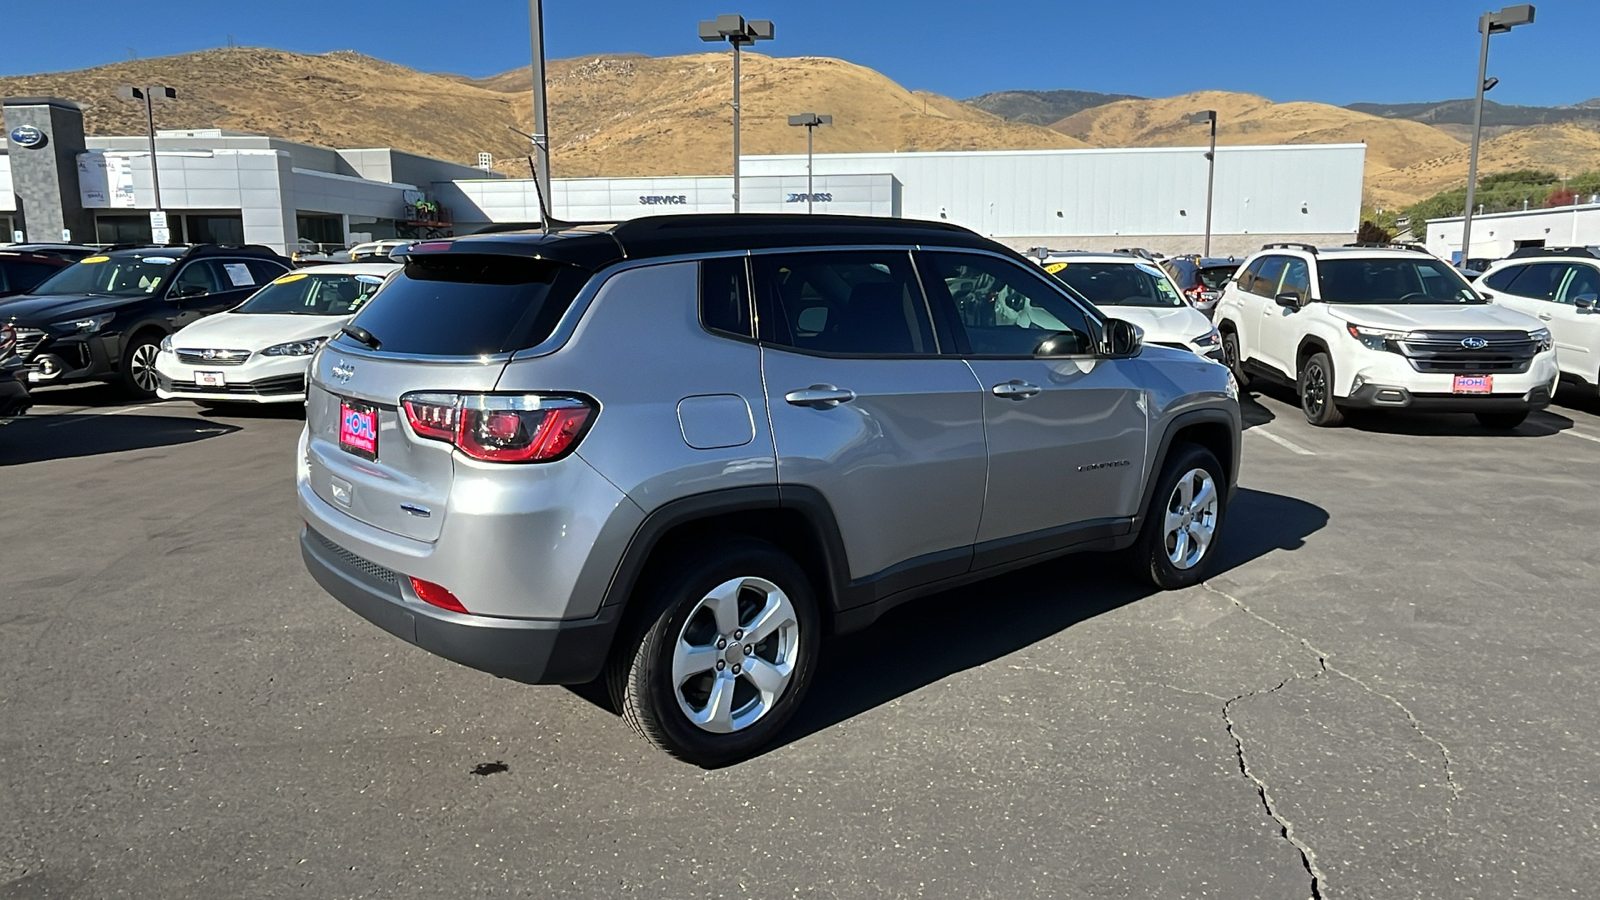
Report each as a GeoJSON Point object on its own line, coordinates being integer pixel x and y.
{"type": "Point", "coordinates": [1388, 687]}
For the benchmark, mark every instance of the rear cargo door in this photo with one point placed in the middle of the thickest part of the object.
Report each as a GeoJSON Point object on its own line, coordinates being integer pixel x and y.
{"type": "Point", "coordinates": [446, 325]}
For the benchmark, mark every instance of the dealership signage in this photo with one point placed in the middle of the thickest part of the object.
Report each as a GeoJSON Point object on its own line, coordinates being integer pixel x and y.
{"type": "Point", "coordinates": [105, 181]}
{"type": "Point", "coordinates": [814, 198]}
{"type": "Point", "coordinates": [664, 200]}
{"type": "Point", "coordinates": [28, 137]}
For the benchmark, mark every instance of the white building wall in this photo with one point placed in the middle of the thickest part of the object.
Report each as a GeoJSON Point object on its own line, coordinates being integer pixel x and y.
{"type": "Point", "coordinates": [8, 196]}
{"type": "Point", "coordinates": [1290, 189]}
{"type": "Point", "coordinates": [1495, 235]}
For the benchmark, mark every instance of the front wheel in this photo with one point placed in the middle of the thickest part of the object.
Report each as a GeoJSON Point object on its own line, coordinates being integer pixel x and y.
{"type": "Point", "coordinates": [1316, 392]}
{"type": "Point", "coordinates": [1502, 421]}
{"type": "Point", "coordinates": [139, 367]}
{"type": "Point", "coordinates": [728, 648]}
{"type": "Point", "coordinates": [1231, 359]}
{"type": "Point", "coordinates": [1179, 537]}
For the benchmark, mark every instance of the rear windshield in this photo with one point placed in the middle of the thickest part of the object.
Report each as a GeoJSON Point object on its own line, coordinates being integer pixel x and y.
{"type": "Point", "coordinates": [1215, 277]}
{"type": "Point", "coordinates": [465, 304]}
{"type": "Point", "coordinates": [1392, 280]}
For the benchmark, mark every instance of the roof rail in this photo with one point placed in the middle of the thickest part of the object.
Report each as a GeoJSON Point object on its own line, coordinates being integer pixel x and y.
{"type": "Point", "coordinates": [198, 250]}
{"type": "Point", "coordinates": [1290, 245]}
{"type": "Point", "coordinates": [1525, 252]}
{"type": "Point", "coordinates": [1390, 245]}
{"type": "Point", "coordinates": [1140, 252]}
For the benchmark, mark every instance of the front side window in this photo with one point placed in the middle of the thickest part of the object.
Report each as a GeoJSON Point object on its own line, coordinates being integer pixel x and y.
{"type": "Point", "coordinates": [120, 276]}
{"type": "Point", "coordinates": [1392, 280]}
{"type": "Point", "coordinates": [1268, 276]}
{"type": "Point", "coordinates": [313, 294]}
{"type": "Point", "coordinates": [197, 279]}
{"type": "Point", "coordinates": [1117, 283]}
{"type": "Point", "coordinates": [1296, 280]}
{"type": "Point", "coordinates": [858, 303]}
{"type": "Point", "coordinates": [1005, 310]}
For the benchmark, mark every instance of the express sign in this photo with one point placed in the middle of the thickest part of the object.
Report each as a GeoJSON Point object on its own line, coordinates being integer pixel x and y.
{"type": "Point", "coordinates": [815, 198]}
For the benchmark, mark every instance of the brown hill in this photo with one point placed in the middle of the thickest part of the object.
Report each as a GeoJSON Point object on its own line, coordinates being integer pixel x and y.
{"type": "Point", "coordinates": [609, 115]}
{"type": "Point", "coordinates": [1563, 149]}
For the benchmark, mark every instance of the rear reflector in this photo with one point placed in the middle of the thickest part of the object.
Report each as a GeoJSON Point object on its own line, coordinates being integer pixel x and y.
{"type": "Point", "coordinates": [436, 595]}
{"type": "Point", "coordinates": [499, 427]}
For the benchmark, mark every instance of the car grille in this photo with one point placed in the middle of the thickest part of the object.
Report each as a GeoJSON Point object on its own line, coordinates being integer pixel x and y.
{"type": "Point", "coordinates": [1505, 352]}
{"type": "Point", "coordinates": [28, 340]}
{"type": "Point", "coordinates": [266, 387]}
{"type": "Point", "coordinates": [217, 358]}
{"type": "Point", "coordinates": [351, 561]}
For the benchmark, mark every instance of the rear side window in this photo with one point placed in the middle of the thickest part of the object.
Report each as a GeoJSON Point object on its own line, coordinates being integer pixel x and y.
{"type": "Point", "coordinates": [22, 275]}
{"type": "Point", "coordinates": [725, 296]}
{"type": "Point", "coordinates": [1501, 280]}
{"type": "Point", "coordinates": [468, 304]}
{"type": "Point", "coordinates": [1539, 281]}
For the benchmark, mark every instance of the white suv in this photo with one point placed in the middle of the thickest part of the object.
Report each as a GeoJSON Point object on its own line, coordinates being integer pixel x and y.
{"type": "Point", "coordinates": [1563, 291]}
{"type": "Point", "coordinates": [1376, 327]}
{"type": "Point", "coordinates": [1137, 290]}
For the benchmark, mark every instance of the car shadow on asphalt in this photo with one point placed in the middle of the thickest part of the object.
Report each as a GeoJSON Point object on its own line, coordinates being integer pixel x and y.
{"type": "Point", "coordinates": [36, 438]}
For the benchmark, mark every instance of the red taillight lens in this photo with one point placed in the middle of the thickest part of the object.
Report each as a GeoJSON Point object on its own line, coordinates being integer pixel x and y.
{"type": "Point", "coordinates": [500, 427]}
{"type": "Point", "coordinates": [436, 595]}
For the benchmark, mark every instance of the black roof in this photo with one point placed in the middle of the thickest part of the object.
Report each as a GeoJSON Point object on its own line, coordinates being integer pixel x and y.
{"type": "Point", "coordinates": [1525, 252]}
{"type": "Point", "coordinates": [198, 250]}
{"type": "Point", "coordinates": [593, 247]}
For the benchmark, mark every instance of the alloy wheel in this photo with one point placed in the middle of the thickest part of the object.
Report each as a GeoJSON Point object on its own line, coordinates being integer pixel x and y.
{"type": "Point", "coordinates": [735, 654]}
{"type": "Point", "coordinates": [1314, 390]}
{"type": "Point", "coordinates": [1191, 520]}
{"type": "Point", "coordinates": [142, 366]}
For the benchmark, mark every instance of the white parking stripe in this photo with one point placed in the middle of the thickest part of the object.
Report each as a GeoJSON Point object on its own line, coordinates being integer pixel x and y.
{"type": "Point", "coordinates": [1285, 443]}
{"type": "Point", "coordinates": [80, 417]}
{"type": "Point", "coordinates": [1579, 434]}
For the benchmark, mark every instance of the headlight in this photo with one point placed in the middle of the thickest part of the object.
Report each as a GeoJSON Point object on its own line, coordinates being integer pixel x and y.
{"type": "Point", "coordinates": [1233, 386]}
{"type": "Point", "coordinates": [1542, 339]}
{"type": "Point", "coordinates": [166, 344]}
{"type": "Point", "coordinates": [294, 348]}
{"type": "Point", "coordinates": [1208, 340]}
{"type": "Point", "coordinates": [86, 325]}
{"type": "Point", "coordinates": [1375, 338]}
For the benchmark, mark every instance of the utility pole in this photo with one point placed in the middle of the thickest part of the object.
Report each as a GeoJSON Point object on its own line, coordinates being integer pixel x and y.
{"type": "Point", "coordinates": [810, 121]}
{"type": "Point", "coordinates": [148, 94]}
{"type": "Point", "coordinates": [740, 33]}
{"type": "Point", "coordinates": [541, 126]}
{"type": "Point", "coordinates": [1489, 23]}
{"type": "Point", "coordinates": [1211, 174]}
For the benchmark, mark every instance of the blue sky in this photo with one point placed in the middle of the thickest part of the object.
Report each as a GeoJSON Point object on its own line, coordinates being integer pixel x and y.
{"type": "Point", "coordinates": [1333, 51]}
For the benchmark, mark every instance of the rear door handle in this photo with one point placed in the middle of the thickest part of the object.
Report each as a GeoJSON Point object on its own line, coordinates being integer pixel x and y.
{"type": "Point", "coordinates": [819, 396]}
{"type": "Point", "coordinates": [1015, 390]}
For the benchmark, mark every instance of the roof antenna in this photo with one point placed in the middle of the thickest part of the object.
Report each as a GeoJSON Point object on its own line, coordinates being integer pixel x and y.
{"type": "Point", "coordinates": [544, 209]}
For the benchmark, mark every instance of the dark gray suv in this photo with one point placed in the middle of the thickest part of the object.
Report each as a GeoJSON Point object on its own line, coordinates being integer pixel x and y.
{"type": "Point", "coordinates": [677, 452]}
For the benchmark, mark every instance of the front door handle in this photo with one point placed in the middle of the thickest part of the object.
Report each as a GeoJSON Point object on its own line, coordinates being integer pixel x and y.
{"type": "Point", "coordinates": [1545, 316]}
{"type": "Point", "coordinates": [819, 396]}
{"type": "Point", "coordinates": [1015, 390]}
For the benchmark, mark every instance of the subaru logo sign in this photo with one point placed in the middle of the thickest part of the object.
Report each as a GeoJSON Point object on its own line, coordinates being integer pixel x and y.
{"type": "Point", "coordinates": [343, 372]}
{"type": "Point", "coordinates": [1474, 343]}
{"type": "Point", "coordinates": [27, 137]}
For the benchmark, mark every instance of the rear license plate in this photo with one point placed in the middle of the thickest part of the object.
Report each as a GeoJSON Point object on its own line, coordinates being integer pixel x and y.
{"type": "Point", "coordinates": [358, 429]}
{"type": "Point", "coordinates": [1473, 384]}
{"type": "Point", "coordinates": [210, 379]}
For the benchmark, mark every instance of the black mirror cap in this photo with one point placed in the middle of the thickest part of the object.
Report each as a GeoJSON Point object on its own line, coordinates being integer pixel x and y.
{"type": "Point", "coordinates": [1485, 295]}
{"type": "Point", "coordinates": [1586, 301]}
{"type": "Point", "coordinates": [1288, 301]}
{"type": "Point", "coordinates": [1124, 340]}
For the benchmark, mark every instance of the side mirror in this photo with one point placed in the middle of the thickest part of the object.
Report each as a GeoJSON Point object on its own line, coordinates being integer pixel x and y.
{"type": "Point", "coordinates": [180, 291]}
{"type": "Point", "coordinates": [1124, 340]}
{"type": "Point", "coordinates": [1586, 301]}
{"type": "Point", "coordinates": [1288, 301]}
{"type": "Point", "coordinates": [1486, 296]}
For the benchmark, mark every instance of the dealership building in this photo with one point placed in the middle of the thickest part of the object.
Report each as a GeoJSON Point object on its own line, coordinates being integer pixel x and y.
{"type": "Point", "coordinates": [57, 184]}
{"type": "Point", "coordinates": [1498, 235]}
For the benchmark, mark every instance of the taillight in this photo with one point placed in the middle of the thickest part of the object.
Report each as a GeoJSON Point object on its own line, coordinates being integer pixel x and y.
{"type": "Point", "coordinates": [436, 595]}
{"type": "Point", "coordinates": [500, 427]}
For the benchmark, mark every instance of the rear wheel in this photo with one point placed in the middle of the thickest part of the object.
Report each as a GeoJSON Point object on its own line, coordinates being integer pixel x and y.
{"type": "Point", "coordinates": [1179, 537]}
{"type": "Point", "coordinates": [139, 366]}
{"type": "Point", "coordinates": [1502, 421]}
{"type": "Point", "coordinates": [1231, 358]}
{"type": "Point", "coordinates": [1316, 392]}
{"type": "Point", "coordinates": [727, 650]}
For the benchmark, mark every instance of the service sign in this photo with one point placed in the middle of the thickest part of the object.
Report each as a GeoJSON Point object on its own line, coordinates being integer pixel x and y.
{"type": "Point", "coordinates": [28, 137]}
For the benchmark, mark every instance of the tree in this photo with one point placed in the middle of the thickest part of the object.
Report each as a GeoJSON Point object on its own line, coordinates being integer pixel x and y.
{"type": "Point", "coordinates": [1371, 232]}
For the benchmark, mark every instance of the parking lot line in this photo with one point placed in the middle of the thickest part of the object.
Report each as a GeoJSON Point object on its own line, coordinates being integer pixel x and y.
{"type": "Point", "coordinates": [1579, 434]}
{"type": "Point", "coordinates": [78, 417]}
{"type": "Point", "coordinates": [1285, 443]}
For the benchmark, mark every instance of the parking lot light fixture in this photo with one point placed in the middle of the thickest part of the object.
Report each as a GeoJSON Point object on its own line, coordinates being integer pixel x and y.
{"type": "Point", "coordinates": [1489, 23]}
{"type": "Point", "coordinates": [738, 32]}
{"type": "Point", "coordinates": [149, 94]}
{"type": "Point", "coordinates": [809, 121]}
{"type": "Point", "coordinates": [1201, 118]}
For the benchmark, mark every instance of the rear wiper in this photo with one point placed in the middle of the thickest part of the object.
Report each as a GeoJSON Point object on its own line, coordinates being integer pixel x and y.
{"type": "Point", "coordinates": [362, 336]}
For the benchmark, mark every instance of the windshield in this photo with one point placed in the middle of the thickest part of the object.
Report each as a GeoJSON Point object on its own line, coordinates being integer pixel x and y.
{"type": "Point", "coordinates": [313, 294]}
{"type": "Point", "coordinates": [1117, 284]}
{"type": "Point", "coordinates": [122, 276]}
{"type": "Point", "coordinates": [1216, 277]}
{"type": "Point", "coordinates": [1392, 280]}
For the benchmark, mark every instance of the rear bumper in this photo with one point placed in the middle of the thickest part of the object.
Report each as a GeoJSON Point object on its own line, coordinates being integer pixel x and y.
{"type": "Point", "coordinates": [1382, 396]}
{"type": "Point", "coordinates": [535, 651]}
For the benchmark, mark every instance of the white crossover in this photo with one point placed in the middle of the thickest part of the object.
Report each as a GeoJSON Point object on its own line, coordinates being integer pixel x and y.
{"type": "Point", "coordinates": [1137, 290]}
{"type": "Point", "coordinates": [258, 352]}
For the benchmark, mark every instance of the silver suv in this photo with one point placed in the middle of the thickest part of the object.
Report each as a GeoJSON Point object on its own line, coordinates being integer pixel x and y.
{"type": "Point", "coordinates": [679, 451]}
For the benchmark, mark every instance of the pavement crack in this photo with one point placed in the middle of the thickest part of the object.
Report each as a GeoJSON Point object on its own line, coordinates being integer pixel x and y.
{"type": "Point", "coordinates": [1322, 662]}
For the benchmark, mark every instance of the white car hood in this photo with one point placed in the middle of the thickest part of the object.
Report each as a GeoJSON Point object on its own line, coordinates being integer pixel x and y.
{"type": "Point", "coordinates": [1164, 325]}
{"type": "Point", "coordinates": [1434, 316]}
{"type": "Point", "coordinates": [254, 332]}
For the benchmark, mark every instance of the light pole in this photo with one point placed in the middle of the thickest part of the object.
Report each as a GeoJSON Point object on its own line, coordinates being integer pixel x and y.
{"type": "Point", "coordinates": [1209, 115]}
{"type": "Point", "coordinates": [148, 94]}
{"type": "Point", "coordinates": [1489, 23]}
{"type": "Point", "coordinates": [740, 33]}
{"type": "Point", "coordinates": [810, 121]}
{"type": "Point", "coordinates": [541, 134]}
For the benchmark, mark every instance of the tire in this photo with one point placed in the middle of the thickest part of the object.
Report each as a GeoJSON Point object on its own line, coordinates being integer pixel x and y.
{"type": "Point", "coordinates": [1231, 358]}
{"type": "Point", "coordinates": [1316, 392]}
{"type": "Point", "coordinates": [1187, 508]}
{"type": "Point", "coordinates": [662, 686]}
{"type": "Point", "coordinates": [1502, 421]}
{"type": "Point", "coordinates": [139, 367]}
